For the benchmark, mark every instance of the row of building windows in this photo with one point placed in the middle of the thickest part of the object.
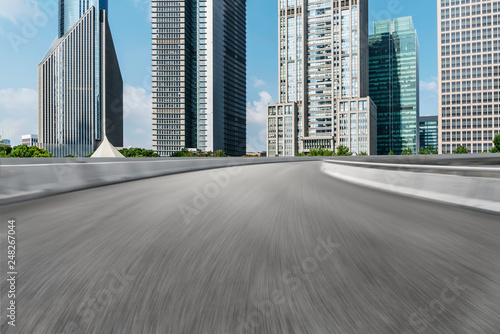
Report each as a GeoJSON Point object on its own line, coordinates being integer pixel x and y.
{"type": "Point", "coordinates": [455, 136]}
{"type": "Point", "coordinates": [490, 6]}
{"type": "Point", "coordinates": [468, 48]}
{"type": "Point", "coordinates": [470, 123]}
{"type": "Point", "coordinates": [486, 97]}
{"type": "Point", "coordinates": [477, 110]}
{"type": "Point", "coordinates": [473, 35]}
{"type": "Point", "coordinates": [470, 85]}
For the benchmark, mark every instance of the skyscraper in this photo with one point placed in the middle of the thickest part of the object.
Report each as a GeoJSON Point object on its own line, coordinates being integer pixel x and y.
{"type": "Point", "coordinates": [469, 74]}
{"type": "Point", "coordinates": [80, 88]}
{"type": "Point", "coordinates": [323, 75]}
{"type": "Point", "coordinates": [199, 75]}
{"type": "Point", "coordinates": [428, 129]}
{"type": "Point", "coordinates": [394, 84]}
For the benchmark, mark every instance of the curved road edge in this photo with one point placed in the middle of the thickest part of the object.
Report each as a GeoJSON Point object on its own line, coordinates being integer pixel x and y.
{"type": "Point", "coordinates": [436, 183]}
{"type": "Point", "coordinates": [27, 179]}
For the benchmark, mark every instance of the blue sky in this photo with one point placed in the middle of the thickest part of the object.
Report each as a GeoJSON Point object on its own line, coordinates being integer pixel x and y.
{"type": "Point", "coordinates": [28, 27]}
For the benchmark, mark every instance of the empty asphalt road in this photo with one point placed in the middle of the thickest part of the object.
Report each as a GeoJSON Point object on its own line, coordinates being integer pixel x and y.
{"type": "Point", "coordinates": [279, 248]}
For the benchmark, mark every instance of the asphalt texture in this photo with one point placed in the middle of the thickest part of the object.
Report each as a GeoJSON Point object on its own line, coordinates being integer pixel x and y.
{"type": "Point", "coordinates": [279, 248]}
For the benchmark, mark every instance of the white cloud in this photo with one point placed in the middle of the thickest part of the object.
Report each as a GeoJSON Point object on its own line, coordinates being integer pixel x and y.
{"type": "Point", "coordinates": [13, 10]}
{"type": "Point", "coordinates": [13, 129]}
{"type": "Point", "coordinates": [137, 117]}
{"type": "Point", "coordinates": [31, 12]}
{"type": "Point", "coordinates": [18, 113]}
{"type": "Point", "coordinates": [18, 101]}
{"type": "Point", "coordinates": [429, 85]}
{"type": "Point", "coordinates": [257, 110]}
{"type": "Point", "coordinates": [137, 104]}
{"type": "Point", "coordinates": [256, 138]}
{"type": "Point", "coordinates": [139, 131]}
{"type": "Point", "coordinates": [258, 82]}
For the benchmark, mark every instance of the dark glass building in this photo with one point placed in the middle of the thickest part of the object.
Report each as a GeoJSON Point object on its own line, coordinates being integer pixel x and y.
{"type": "Point", "coordinates": [394, 84]}
{"type": "Point", "coordinates": [428, 132]}
{"type": "Point", "coordinates": [199, 76]}
{"type": "Point", "coordinates": [80, 85]}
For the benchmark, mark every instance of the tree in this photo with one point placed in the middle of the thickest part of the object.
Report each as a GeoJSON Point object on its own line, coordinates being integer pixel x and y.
{"type": "Point", "coordinates": [89, 155]}
{"type": "Point", "coordinates": [138, 153]}
{"type": "Point", "coordinates": [5, 151]}
{"type": "Point", "coordinates": [362, 153]}
{"type": "Point", "coordinates": [70, 156]}
{"type": "Point", "coordinates": [391, 153]}
{"type": "Point", "coordinates": [343, 151]}
{"type": "Point", "coordinates": [23, 151]}
{"type": "Point", "coordinates": [320, 152]}
{"type": "Point", "coordinates": [219, 154]}
{"type": "Point", "coordinates": [181, 154]}
{"type": "Point", "coordinates": [496, 141]}
{"type": "Point", "coordinates": [184, 153]}
{"type": "Point", "coordinates": [407, 151]}
{"type": "Point", "coordinates": [428, 150]}
{"type": "Point", "coordinates": [461, 150]}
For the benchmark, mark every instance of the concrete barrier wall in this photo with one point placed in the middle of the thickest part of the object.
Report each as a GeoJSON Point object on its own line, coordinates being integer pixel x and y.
{"type": "Point", "coordinates": [473, 187]}
{"type": "Point", "coordinates": [24, 179]}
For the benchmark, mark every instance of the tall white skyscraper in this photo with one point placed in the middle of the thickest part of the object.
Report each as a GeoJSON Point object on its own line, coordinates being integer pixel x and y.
{"type": "Point", "coordinates": [323, 72]}
{"type": "Point", "coordinates": [80, 87]}
{"type": "Point", "coordinates": [199, 76]}
{"type": "Point", "coordinates": [469, 74]}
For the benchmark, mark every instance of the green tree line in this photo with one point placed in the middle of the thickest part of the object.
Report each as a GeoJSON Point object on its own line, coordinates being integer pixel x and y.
{"type": "Point", "coordinates": [342, 151]}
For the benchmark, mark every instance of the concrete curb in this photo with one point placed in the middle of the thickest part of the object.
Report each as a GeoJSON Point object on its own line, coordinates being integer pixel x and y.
{"type": "Point", "coordinates": [26, 179]}
{"type": "Point", "coordinates": [425, 182]}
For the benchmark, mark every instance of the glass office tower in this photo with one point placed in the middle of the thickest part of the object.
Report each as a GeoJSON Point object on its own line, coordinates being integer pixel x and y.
{"type": "Point", "coordinates": [80, 87]}
{"type": "Point", "coordinates": [428, 129]}
{"type": "Point", "coordinates": [323, 76]}
{"type": "Point", "coordinates": [199, 76]}
{"type": "Point", "coordinates": [70, 12]}
{"type": "Point", "coordinates": [468, 74]}
{"type": "Point", "coordinates": [394, 84]}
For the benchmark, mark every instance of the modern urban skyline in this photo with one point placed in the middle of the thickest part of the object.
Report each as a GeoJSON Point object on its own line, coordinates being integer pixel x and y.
{"type": "Point", "coordinates": [469, 74]}
{"type": "Point", "coordinates": [394, 84]}
{"type": "Point", "coordinates": [199, 76]}
{"type": "Point", "coordinates": [131, 27]}
{"type": "Point", "coordinates": [323, 74]}
{"type": "Point", "coordinates": [80, 90]}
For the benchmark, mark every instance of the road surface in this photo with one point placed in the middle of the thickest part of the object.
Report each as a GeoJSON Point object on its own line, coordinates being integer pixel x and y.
{"type": "Point", "coordinates": [279, 248]}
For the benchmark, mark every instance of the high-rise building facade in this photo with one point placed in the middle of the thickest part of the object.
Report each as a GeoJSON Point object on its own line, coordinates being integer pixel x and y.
{"type": "Point", "coordinates": [80, 88]}
{"type": "Point", "coordinates": [428, 130]}
{"type": "Point", "coordinates": [199, 76]}
{"type": "Point", "coordinates": [469, 74]}
{"type": "Point", "coordinates": [394, 84]}
{"type": "Point", "coordinates": [323, 76]}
